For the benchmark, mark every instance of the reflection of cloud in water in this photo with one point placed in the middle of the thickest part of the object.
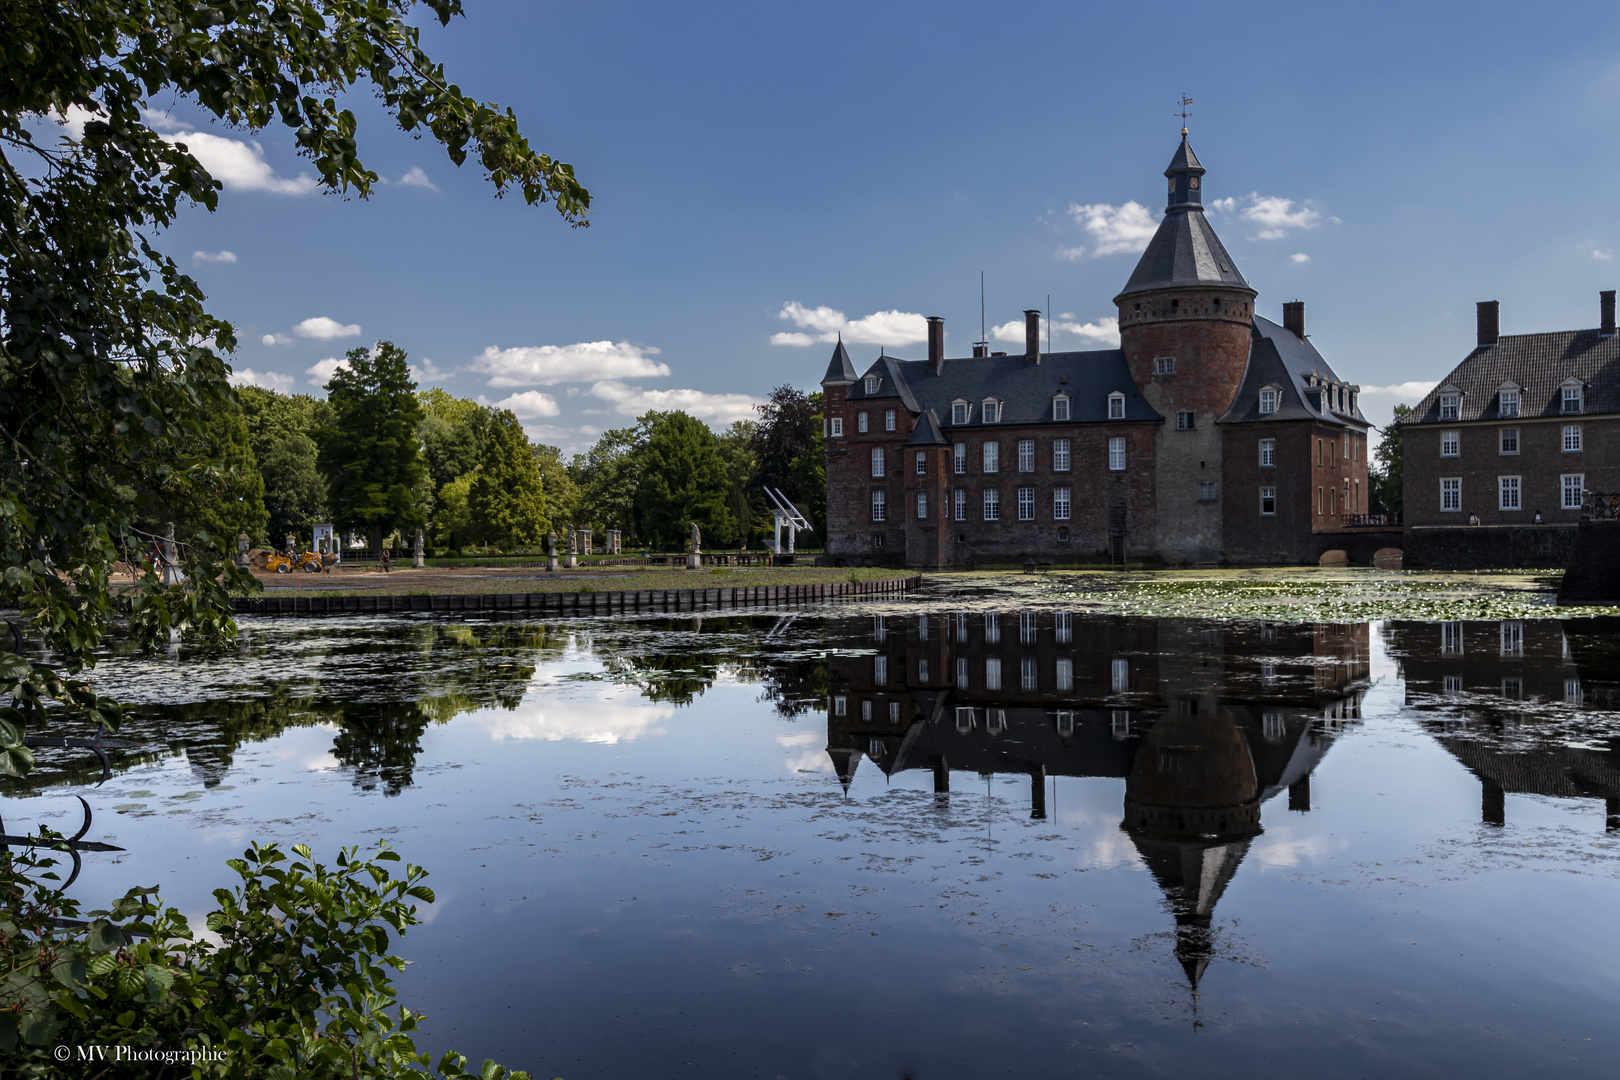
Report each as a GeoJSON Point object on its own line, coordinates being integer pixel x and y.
{"type": "Point", "coordinates": [607, 716]}
{"type": "Point", "coordinates": [814, 756]}
{"type": "Point", "coordinates": [1280, 847]}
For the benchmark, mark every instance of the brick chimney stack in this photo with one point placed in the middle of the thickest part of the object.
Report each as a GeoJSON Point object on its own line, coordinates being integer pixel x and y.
{"type": "Point", "coordinates": [1489, 322]}
{"type": "Point", "coordinates": [1294, 318]}
{"type": "Point", "coordinates": [1032, 336]}
{"type": "Point", "coordinates": [1606, 312]}
{"type": "Point", "coordinates": [936, 344]}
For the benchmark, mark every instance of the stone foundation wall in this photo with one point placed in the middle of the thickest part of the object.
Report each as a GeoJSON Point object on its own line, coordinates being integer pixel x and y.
{"type": "Point", "coordinates": [1488, 547]}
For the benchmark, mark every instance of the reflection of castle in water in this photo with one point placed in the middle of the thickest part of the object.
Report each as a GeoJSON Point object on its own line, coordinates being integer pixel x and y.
{"type": "Point", "coordinates": [1520, 704]}
{"type": "Point", "coordinates": [1205, 722]}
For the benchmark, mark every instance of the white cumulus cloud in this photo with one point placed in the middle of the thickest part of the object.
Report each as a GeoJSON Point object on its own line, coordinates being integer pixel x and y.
{"type": "Point", "coordinates": [1114, 230]}
{"type": "Point", "coordinates": [323, 329]}
{"type": "Point", "coordinates": [1299, 257]}
{"type": "Point", "coordinates": [240, 165]}
{"type": "Point", "coordinates": [547, 365]}
{"type": "Point", "coordinates": [415, 177]}
{"type": "Point", "coordinates": [1276, 216]}
{"type": "Point", "coordinates": [270, 380]}
{"type": "Point", "coordinates": [426, 371]}
{"type": "Point", "coordinates": [1410, 392]}
{"type": "Point", "coordinates": [213, 256]}
{"type": "Point", "coordinates": [321, 371]}
{"type": "Point", "coordinates": [1604, 255]}
{"type": "Point", "coordinates": [529, 405]}
{"type": "Point", "coordinates": [826, 324]}
{"type": "Point", "coordinates": [1104, 331]}
{"type": "Point", "coordinates": [716, 408]}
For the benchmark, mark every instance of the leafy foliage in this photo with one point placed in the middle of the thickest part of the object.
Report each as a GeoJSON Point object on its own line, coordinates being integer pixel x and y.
{"type": "Point", "coordinates": [682, 479]}
{"type": "Point", "coordinates": [299, 984]}
{"type": "Point", "coordinates": [280, 431]}
{"type": "Point", "coordinates": [787, 441]}
{"type": "Point", "coordinates": [505, 504]}
{"type": "Point", "coordinates": [370, 454]}
{"type": "Point", "coordinates": [1384, 472]}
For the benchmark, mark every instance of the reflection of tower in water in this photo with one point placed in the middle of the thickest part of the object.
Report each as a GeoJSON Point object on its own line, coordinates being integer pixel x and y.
{"type": "Point", "coordinates": [1205, 723]}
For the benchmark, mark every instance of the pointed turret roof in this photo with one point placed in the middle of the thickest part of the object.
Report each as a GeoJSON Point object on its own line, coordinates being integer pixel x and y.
{"type": "Point", "coordinates": [839, 370]}
{"type": "Point", "coordinates": [1185, 252]}
{"type": "Point", "coordinates": [928, 432]}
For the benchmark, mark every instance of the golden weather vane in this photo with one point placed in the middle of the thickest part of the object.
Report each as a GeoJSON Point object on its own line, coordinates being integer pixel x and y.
{"type": "Point", "coordinates": [1184, 102]}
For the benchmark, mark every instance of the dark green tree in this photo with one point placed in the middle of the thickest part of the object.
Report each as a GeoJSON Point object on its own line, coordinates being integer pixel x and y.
{"type": "Point", "coordinates": [453, 432]}
{"type": "Point", "coordinates": [562, 494]}
{"type": "Point", "coordinates": [788, 443]}
{"type": "Point", "coordinates": [606, 477]}
{"type": "Point", "coordinates": [506, 505]}
{"type": "Point", "coordinates": [370, 454]}
{"type": "Point", "coordinates": [280, 431]}
{"type": "Point", "coordinates": [1384, 472]}
{"type": "Point", "coordinates": [682, 479]}
{"type": "Point", "coordinates": [737, 446]}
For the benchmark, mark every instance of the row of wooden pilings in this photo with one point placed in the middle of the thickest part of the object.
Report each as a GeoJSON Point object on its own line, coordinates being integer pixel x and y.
{"type": "Point", "coordinates": [627, 601]}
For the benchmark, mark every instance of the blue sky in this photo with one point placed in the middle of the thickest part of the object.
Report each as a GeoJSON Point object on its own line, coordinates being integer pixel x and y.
{"type": "Point", "coordinates": [766, 174]}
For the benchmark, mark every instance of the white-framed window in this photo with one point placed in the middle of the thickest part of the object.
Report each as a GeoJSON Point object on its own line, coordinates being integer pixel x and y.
{"type": "Point", "coordinates": [1268, 402]}
{"type": "Point", "coordinates": [894, 712]}
{"type": "Point", "coordinates": [1062, 500]}
{"type": "Point", "coordinates": [1184, 419]}
{"type": "Point", "coordinates": [1119, 675]}
{"type": "Point", "coordinates": [1060, 455]}
{"type": "Point", "coordinates": [922, 628]}
{"type": "Point", "coordinates": [992, 673]}
{"type": "Point", "coordinates": [1026, 504]}
{"type": "Point", "coordinates": [1065, 675]}
{"type": "Point", "coordinates": [961, 677]}
{"type": "Point", "coordinates": [1268, 501]}
{"type": "Point", "coordinates": [1450, 405]}
{"type": "Point", "coordinates": [888, 419]}
{"type": "Point", "coordinates": [1116, 453]}
{"type": "Point", "coordinates": [991, 458]}
{"type": "Point", "coordinates": [1451, 638]}
{"type": "Point", "coordinates": [1028, 629]}
{"type": "Point", "coordinates": [880, 670]}
{"type": "Point", "coordinates": [1206, 491]}
{"type": "Point", "coordinates": [1573, 399]}
{"type": "Point", "coordinates": [961, 621]}
{"type": "Point", "coordinates": [959, 458]}
{"type": "Point", "coordinates": [1268, 453]}
{"type": "Point", "coordinates": [880, 505]}
{"type": "Point", "coordinates": [1573, 488]}
{"type": "Point", "coordinates": [1060, 407]}
{"type": "Point", "coordinates": [1026, 673]}
{"type": "Point", "coordinates": [922, 463]}
{"type": "Point", "coordinates": [922, 506]}
{"type": "Point", "coordinates": [1450, 443]}
{"type": "Point", "coordinates": [1512, 637]}
{"type": "Point", "coordinates": [992, 505]}
{"type": "Point", "coordinates": [1507, 403]}
{"type": "Point", "coordinates": [959, 412]}
{"type": "Point", "coordinates": [964, 719]}
{"type": "Point", "coordinates": [1164, 365]}
{"type": "Point", "coordinates": [860, 423]}
{"type": "Point", "coordinates": [872, 382]}
{"type": "Point", "coordinates": [1572, 438]}
{"type": "Point", "coordinates": [991, 411]}
{"type": "Point", "coordinates": [838, 427]}
{"type": "Point", "coordinates": [840, 705]}
{"type": "Point", "coordinates": [1453, 685]}
{"type": "Point", "coordinates": [877, 461]}
{"type": "Point", "coordinates": [1065, 722]}
{"type": "Point", "coordinates": [1509, 441]}
{"type": "Point", "coordinates": [1573, 694]}
{"type": "Point", "coordinates": [1026, 455]}
{"type": "Point", "coordinates": [1507, 492]}
{"type": "Point", "coordinates": [1451, 493]}
{"type": "Point", "coordinates": [922, 671]}
{"type": "Point", "coordinates": [961, 504]}
{"type": "Point", "coordinates": [1116, 406]}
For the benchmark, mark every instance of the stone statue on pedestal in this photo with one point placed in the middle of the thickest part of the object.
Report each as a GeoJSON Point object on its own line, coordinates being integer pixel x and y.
{"type": "Point", "coordinates": [551, 552]}
{"type": "Point", "coordinates": [418, 559]}
{"type": "Point", "coordinates": [573, 548]}
{"type": "Point", "coordinates": [694, 559]}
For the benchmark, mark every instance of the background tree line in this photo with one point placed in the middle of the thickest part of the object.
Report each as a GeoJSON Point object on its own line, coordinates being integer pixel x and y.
{"type": "Point", "coordinates": [380, 457]}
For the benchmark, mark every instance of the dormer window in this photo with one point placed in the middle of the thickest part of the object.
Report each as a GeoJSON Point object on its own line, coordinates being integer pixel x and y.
{"type": "Point", "coordinates": [1268, 401]}
{"type": "Point", "coordinates": [1450, 406]}
{"type": "Point", "coordinates": [1574, 397]}
{"type": "Point", "coordinates": [872, 382]}
{"type": "Point", "coordinates": [1507, 400]}
{"type": "Point", "coordinates": [960, 411]}
{"type": "Point", "coordinates": [1060, 407]}
{"type": "Point", "coordinates": [991, 413]}
{"type": "Point", "coordinates": [1116, 406]}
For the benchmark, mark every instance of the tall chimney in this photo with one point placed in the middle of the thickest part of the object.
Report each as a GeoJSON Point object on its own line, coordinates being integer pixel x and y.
{"type": "Point", "coordinates": [1606, 311]}
{"type": "Point", "coordinates": [936, 344]}
{"type": "Point", "coordinates": [1294, 318]}
{"type": "Point", "coordinates": [1032, 336]}
{"type": "Point", "coordinates": [1489, 322]}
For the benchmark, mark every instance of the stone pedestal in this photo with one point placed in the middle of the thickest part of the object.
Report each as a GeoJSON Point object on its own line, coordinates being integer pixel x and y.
{"type": "Point", "coordinates": [694, 560]}
{"type": "Point", "coordinates": [551, 553]}
{"type": "Point", "coordinates": [573, 548]}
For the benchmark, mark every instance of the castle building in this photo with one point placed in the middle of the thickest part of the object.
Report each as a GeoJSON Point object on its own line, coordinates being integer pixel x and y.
{"type": "Point", "coordinates": [1210, 433]}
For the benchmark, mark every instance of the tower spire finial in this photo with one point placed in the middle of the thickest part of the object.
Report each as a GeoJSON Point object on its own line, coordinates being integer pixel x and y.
{"type": "Point", "coordinates": [1184, 102]}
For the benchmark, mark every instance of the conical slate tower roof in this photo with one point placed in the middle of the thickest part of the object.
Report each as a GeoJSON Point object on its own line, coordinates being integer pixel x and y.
{"type": "Point", "coordinates": [1185, 252]}
{"type": "Point", "coordinates": [839, 369]}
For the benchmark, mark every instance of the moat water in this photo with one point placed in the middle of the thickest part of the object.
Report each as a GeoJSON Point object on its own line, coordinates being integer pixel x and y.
{"type": "Point", "coordinates": [926, 838]}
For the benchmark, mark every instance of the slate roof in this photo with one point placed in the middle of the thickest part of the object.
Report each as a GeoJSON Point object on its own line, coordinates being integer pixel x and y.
{"type": "Point", "coordinates": [1185, 160]}
{"type": "Point", "coordinates": [1024, 390]}
{"type": "Point", "coordinates": [927, 432]}
{"type": "Point", "coordinates": [839, 369]}
{"type": "Point", "coordinates": [1184, 252]}
{"type": "Point", "coordinates": [1539, 364]}
{"type": "Point", "coordinates": [1278, 358]}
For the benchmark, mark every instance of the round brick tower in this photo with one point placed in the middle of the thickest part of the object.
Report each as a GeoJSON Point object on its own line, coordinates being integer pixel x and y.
{"type": "Point", "coordinates": [1185, 318]}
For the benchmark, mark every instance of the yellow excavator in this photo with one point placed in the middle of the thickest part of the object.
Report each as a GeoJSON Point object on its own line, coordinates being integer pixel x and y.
{"type": "Point", "coordinates": [307, 561]}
